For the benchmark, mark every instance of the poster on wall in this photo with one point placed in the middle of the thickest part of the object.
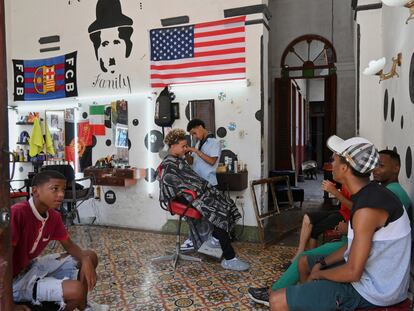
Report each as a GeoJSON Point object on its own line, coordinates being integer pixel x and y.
{"type": "Point", "coordinates": [78, 141]}
{"type": "Point", "coordinates": [119, 119]}
{"type": "Point", "coordinates": [56, 123]}
{"type": "Point", "coordinates": [47, 78]}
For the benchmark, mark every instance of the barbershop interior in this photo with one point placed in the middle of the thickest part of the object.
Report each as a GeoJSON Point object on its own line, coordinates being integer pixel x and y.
{"type": "Point", "coordinates": [186, 155]}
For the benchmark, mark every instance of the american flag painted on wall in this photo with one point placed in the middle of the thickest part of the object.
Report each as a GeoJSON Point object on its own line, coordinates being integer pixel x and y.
{"type": "Point", "coordinates": [212, 51]}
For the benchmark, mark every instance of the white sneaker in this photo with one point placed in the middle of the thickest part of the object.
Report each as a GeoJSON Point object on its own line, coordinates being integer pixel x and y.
{"type": "Point", "coordinates": [187, 245]}
{"type": "Point", "coordinates": [235, 264]}
{"type": "Point", "coordinates": [211, 247]}
{"type": "Point", "coordinates": [93, 306]}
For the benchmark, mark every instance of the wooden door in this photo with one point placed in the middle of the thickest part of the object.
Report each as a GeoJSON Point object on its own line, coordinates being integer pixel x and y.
{"type": "Point", "coordinates": [330, 113]}
{"type": "Point", "coordinates": [5, 248]}
{"type": "Point", "coordinates": [282, 124]}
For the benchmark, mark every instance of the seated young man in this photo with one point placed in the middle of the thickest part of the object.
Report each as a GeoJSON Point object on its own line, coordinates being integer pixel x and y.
{"type": "Point", "coordinates": [62, 278]}
{"type": "Point", "coordinates": [386, 173]}
{"type": "Point", "coordinates": [372, 269]}
{"type": "Point", "coordinates": [316, 223]}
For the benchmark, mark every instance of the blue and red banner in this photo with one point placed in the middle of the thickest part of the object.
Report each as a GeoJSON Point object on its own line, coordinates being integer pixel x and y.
{"type": "Point", "coordinates": [48, 78]}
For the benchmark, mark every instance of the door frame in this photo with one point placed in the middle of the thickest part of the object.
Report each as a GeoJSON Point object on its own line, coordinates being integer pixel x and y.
{"type": "Point", "coordinates": [285, 120]}
{"type": "Point", "coordinates": [6, 299]}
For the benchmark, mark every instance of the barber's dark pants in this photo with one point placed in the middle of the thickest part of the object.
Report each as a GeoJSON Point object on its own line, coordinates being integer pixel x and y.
{"type": "Point", "coordinates": [224, 239]}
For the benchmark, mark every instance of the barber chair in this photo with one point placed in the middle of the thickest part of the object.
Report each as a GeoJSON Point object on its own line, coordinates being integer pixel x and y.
{"type": "Point", "coordinates": [402, 306]}
{"type": "Point", "coordinates": [179, 207]}
{"type": "Point", "coordinates": [298, 194]}
{"type": "Point", "coordinates": [20, 193]}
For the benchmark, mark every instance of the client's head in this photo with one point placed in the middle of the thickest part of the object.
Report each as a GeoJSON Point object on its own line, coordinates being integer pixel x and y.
{"type": "Point", "coordinates": [177, 142]}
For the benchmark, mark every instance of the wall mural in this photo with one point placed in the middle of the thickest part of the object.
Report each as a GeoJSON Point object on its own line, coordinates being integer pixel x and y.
{"type": "Point", "coordinates": [47, 78]}
{"type": "Point", "coordinates": [111, 34]}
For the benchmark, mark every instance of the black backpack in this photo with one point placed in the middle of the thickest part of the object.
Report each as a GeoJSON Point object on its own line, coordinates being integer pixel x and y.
{"type": "Point", "coordinates": [163, 109]}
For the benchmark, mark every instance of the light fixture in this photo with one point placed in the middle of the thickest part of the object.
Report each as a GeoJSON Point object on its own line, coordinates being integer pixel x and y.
{"type": "Point", "coordinates": [376, 67]}
{"type": "Point", "coordinates": [407, 3]}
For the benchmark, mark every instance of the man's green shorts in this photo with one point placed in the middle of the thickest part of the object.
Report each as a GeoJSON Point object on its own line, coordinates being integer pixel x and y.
{"type": "Point", "coordinates": [323, 295]}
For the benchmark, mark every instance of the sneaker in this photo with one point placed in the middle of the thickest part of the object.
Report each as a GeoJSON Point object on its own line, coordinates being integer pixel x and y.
{"type": "Point", "coordinates": [93, 306]}
{"type": "Point", "coordinates": [259, 295]}
{"type": "Point", "coordinates": [187, 245]}
{"type": "Point", "coordinates": [211, 247]}
{"type": "Point", "coordinates": [213, 243]}
{"type": "Point", "coordinates": [235, 264]}
{"type": "Point", "coordinates": [286, 265]}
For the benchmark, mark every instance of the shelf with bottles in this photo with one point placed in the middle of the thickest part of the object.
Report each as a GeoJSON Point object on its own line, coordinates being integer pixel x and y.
{"type": "Point", "coordinates": [28, 119]}
{"type": "Point", "coordinates": [26, 123]}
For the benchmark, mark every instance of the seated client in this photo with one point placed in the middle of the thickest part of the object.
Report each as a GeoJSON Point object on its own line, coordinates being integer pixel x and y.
{"type": "Point", "coordinates": [216, 208]}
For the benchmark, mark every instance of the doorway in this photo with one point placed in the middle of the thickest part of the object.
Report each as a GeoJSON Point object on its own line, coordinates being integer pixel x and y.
{"type": "Point", "coordinates": [305, 103]}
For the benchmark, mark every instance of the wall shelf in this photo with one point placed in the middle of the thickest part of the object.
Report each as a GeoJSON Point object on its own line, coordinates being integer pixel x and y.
{"type": "Point", "coordinates": [113, 176]}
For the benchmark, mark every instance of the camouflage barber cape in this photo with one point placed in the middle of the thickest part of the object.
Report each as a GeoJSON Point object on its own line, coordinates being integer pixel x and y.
{"type": "Point", "coordinates": [217, 209]}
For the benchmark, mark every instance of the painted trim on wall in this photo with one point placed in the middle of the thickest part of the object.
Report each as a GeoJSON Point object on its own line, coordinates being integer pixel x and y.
{"type": "Point", "coordinates": [49, 39]}
{"type": "Point", "coordinates": [247, 10]}
{"type": "Point", "coordinates": [258, 21]}
{"type": "Point", "coordinates": [171, 21]}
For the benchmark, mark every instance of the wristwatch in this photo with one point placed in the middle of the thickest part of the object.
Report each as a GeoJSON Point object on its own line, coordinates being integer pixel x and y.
{"type": "Point", "coordinates": [321, 261]}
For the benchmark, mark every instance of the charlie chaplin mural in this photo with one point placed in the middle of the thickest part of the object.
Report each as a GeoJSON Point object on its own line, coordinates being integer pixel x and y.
{"type": "Point", "coordinates": [110, 34]}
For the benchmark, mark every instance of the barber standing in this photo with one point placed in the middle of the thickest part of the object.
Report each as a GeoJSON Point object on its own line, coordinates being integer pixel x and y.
{"type": "Point", "coordinates": [204, 157]}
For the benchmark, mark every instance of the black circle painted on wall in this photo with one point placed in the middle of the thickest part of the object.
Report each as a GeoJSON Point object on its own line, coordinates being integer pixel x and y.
{"type": "Point", "coordinates": [108, 117]}
{"type": "Point", "coordinates": [135, 122]}
{"type": "Point", "coordinates": [411, 79]}
{"type": "Point", "coordinates": [259, 115]}
{"type": "Point", "coordinates": [385, 105]}
{"type": "Point", "coordinates": [94, 140]}
{"type": "Point", "coordinates": [392, 112]}
{"type": "Point", "coordinates": [221, 132]}
{"type": "Point", "coordinates": [156, 141]}
{"type": "Point", "coordinates": [150, 174]}
{"type": "Point", "coordinates": [129, 144]}
{"type": "Point", "coordinates": [108, 142]}
{"type": "Point", "coordinates": [408, 162]}
{"type": "Point", "coordinates": [85, 115]}
{"type": "Point", "coordinates": [187, 112]}
{"type": "Point", "coordinates": [402, 122]}
{"type": "Point", "coordinates": [110, 197]}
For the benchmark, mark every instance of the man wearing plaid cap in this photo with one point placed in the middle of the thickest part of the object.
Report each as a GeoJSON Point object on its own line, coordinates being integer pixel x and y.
{"type": "Point", "coordinates": [372, 269]}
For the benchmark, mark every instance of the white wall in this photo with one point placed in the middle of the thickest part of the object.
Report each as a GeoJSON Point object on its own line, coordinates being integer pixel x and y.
{"type": "Point", "coordinates": [384, 33]}
{"type": "Point", "coordinates": [316, 90]}
{"type": "Point", "coordinates": [137, 206]}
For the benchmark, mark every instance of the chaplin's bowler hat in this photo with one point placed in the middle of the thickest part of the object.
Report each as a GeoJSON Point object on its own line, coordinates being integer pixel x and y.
{"type": "Point", "coordinates": [108, 15]}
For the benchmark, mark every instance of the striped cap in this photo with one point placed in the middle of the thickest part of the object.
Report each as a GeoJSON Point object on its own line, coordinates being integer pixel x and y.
{"type": "Point", "coordinates": [359, 152]}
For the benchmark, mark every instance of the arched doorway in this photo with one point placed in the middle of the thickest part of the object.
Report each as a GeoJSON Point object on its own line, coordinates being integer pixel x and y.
{"type": "Point", "coordinates": [302, 124]}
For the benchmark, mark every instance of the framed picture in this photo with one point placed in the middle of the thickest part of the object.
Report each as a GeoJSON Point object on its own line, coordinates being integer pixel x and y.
{"type": "Point", "coordinates": [55, 121]}
{"type": "Point", "coordinates": [121, 136]}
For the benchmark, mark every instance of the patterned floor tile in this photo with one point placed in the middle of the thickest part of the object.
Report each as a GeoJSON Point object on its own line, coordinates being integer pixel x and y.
{"type": "Point", "coordinates": [128, 280]}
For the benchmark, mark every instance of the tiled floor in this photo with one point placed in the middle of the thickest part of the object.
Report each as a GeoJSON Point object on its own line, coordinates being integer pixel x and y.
{"type": "Point", "coordinates": [129, 281]}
